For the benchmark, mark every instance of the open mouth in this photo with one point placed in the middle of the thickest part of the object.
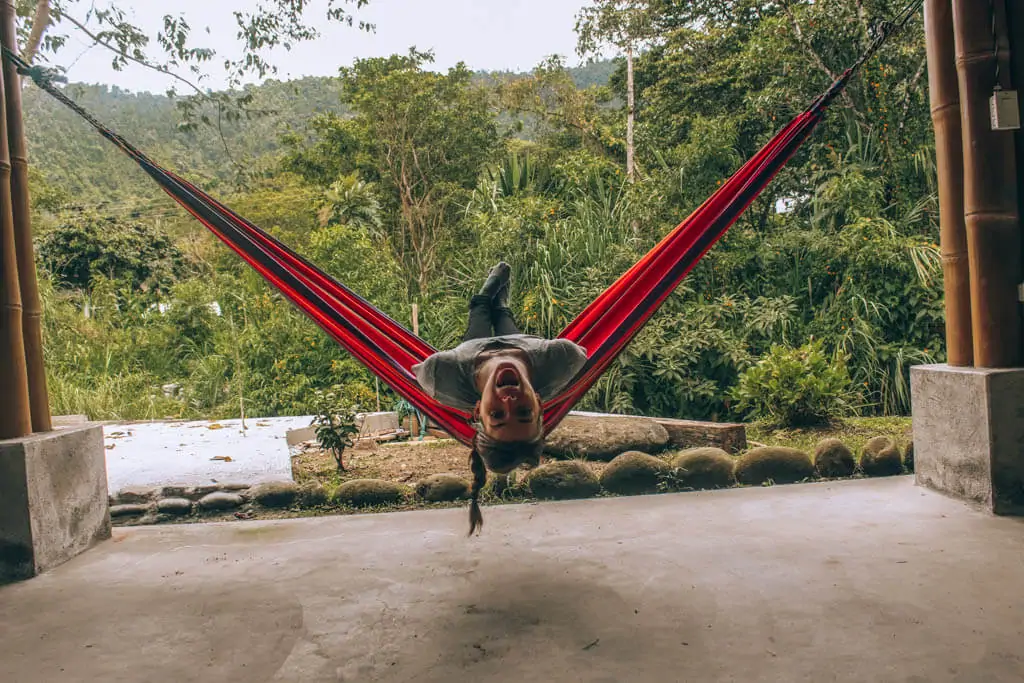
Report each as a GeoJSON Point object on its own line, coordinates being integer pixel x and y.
{"type": "Point", "coordinates": [507, 377]}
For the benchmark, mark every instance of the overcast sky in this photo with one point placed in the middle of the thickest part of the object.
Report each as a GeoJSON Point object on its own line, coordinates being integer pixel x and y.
{"type": "Point", "coordinates": [485, 34]}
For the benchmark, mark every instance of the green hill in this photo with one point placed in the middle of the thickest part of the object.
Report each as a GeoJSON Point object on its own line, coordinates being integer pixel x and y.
{"type": "Point", "coordinates": [73, 158]}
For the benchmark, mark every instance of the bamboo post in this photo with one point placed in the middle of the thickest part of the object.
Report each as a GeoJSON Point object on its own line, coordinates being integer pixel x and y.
{"type": "Point", "coordinates": [1015, 24]}
{"type": "Point", "coordinates": [949, 157]}
{"type": "Point", "coordinates": [32, 313]}
{"type": "Point", "coordinates": [15, 417]}
{"type": "Point", "coordinates": [990, 188]}
{"type": "Point", "coordinates": [416, 319]}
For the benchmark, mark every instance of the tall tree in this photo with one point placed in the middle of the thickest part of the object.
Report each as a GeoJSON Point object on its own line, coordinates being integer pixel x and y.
{"type": "Point", "coordinates": [626, 25]}
{"type": "Point", "coordinates": [422, 137]}
{"type": "Point", "coordinates": [173, 50]}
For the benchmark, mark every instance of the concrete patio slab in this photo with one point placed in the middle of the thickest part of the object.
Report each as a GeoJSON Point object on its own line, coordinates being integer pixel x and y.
{"type": "Point", "coordinates": [874, 580]}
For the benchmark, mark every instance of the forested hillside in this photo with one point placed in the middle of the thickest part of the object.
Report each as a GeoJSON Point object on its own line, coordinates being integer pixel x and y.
{"type": "Point", "coordinates": [89, 170]}
{"type": "Point", "coordinates": [815, 311]}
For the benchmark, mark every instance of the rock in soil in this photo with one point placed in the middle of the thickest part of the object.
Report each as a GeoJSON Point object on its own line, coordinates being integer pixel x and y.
{"type": "Point", "coordinates": [698, 469]}
{"type": "Point", "coordinates": [881, 458]}
{"type": "Point", "coordinates": [563, 480]}
{"type": "Point", "coordinates": [369, 492]}
{"type": "Point", "coordinates": [312, 494]}
{"type": "Point", "coordinates": [773, 464]}
{"type": "Point", "coordinates": [634, 473]}
{"type": "Point", "coordinates": [833, 459]}
{"type": "Point", "coordinates": [128, 510]}
{"type": "Point", "coordinates": [442, 488]}
{"type": "Point", "coordinates": [275, 494]}
{"type": "Point", "coordinates": [134, 495]}
{"type": "Point", "coordinates": [220, 501]}
{"type": "Point", "coordinates": [603, 438]}
{"type": "Point", "coordinates": [174, 506]}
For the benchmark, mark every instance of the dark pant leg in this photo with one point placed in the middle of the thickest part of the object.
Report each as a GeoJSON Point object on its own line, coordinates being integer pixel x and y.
{"type": "Point", "coordinates": [479, 318]}
{"type": "Point", "coordinates": [504, 323]}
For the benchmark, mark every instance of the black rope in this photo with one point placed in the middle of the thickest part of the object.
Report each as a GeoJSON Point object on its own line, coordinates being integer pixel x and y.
{"type": "Point", "coordinates": [883, 30]}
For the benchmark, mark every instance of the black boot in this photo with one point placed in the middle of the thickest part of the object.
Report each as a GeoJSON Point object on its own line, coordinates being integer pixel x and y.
{"type": "Point", "coordinates": [501, 298]}
{"type": "Point", "coordinates": [497, 280]}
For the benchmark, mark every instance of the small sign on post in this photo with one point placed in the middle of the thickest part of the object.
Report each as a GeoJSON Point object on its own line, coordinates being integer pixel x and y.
{"type": "Point", "coordinates": [1004, 108]}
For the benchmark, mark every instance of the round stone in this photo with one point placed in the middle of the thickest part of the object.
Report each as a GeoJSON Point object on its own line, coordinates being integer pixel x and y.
{"type": "Point", "coordinates": [275, 494]}
{"type": "Point", "coordinates": [776, 465]}
{"type": "Point", "coordinates": [369, 492]}
{"type": "Point", "coordinates": [220, 501]}
{"type": "Point", "coordinates": [128, 510]}
{"type": "Point", "coordinates": [832, 459]}
{"type": "Point", "coordinates": [634, 473]}
{"type": "Point", "coordinates": [442, 488]}
{"type": "Point", "coordinates": [563, 480]}
{"type": "Point", "coordinates": [702, 468]}
{"type": "Point", "coordinates": [881, 458]}
{"type": "Point", "coordinates": [174, 506]}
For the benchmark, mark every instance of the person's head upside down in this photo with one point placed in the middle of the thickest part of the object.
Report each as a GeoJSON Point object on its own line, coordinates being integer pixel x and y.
{"type": "Point", "coordinates": [503, 376]}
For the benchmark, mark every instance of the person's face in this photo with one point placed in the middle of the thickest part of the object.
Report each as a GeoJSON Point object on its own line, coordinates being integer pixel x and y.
{"type": "Point", "coordinates": [509, 408]}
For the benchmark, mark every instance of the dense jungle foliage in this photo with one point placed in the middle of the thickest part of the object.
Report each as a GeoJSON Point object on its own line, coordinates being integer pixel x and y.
{"type": "Point", "coordinates": [818, 301]}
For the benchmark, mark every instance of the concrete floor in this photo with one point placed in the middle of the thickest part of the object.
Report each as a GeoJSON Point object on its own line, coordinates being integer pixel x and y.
{"type": "Point", "coordinates": [855, 581]}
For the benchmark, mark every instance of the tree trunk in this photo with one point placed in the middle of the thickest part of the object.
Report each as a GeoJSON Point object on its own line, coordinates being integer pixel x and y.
{"type": "Point", "coordinates": [630, 116]}
{"type": "Point", "coordinates": [40, 22]}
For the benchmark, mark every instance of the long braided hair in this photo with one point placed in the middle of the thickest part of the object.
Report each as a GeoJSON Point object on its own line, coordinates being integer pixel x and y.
{"type": "Point", "coordinates": [500, 456]}
{"type": "Point", "coordinates": [476, 464]}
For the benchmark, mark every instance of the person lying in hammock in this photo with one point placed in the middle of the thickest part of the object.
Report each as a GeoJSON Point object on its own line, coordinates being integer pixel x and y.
{"type": "Point", "coordinates": [502, 377]}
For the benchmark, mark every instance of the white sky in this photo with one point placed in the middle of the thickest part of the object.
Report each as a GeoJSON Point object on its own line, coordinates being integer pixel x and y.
{"type": "Point", "coordinates": [485, 34]}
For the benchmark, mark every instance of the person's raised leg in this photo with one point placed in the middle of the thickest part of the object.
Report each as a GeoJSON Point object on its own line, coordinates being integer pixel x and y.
{"type": "Point", "coordinates": [501, 316]}
{"type": "Point", "coordinates": [479, 318]}
{"type": "Point", "coordinates": [481, 305]}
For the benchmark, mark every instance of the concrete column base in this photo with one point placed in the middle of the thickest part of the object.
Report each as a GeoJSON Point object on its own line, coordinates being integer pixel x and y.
{"type": "Point", "coordinates": [969, 434]}
{"type": "Point", "coordinates": [53, 499]}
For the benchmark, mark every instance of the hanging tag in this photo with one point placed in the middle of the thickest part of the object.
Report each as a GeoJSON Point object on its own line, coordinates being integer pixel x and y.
{"type": "Point", "coordinates": [1004, 108]}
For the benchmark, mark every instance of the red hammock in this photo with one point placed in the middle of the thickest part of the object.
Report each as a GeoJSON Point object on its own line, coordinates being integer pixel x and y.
{"type": "Point", "coordinates": [390, 350]}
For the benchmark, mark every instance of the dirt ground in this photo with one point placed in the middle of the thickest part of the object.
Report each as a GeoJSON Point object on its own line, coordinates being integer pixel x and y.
{"type": "Point", "coordinates": [404, 462]}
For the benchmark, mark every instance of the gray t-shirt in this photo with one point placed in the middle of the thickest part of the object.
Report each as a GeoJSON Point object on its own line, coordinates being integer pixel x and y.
{"type": "Point", "coordinates": [448, 376]}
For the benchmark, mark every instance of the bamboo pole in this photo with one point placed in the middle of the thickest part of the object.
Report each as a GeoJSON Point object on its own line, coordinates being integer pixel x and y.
{"type": "Point", "coordinates": [1015, 24]}
{"type": "Point", "coordinates": [949, 157]}
{"type": "Point", "coordinates": [32, 313]}
{"type": "Point", "coordinates": [15, 417]}
{"type": "Point", "coordinates": [990, 188]}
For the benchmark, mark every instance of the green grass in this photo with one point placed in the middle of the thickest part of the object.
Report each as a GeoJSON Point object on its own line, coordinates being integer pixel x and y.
{"type": "Point", "coordinates": [854, 432]}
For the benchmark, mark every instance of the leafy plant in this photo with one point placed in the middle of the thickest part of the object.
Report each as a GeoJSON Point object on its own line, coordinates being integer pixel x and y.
{"type": "Point", "coordinates": [796, 387]}
{"type": "Point", "coordinates": [335, 422]}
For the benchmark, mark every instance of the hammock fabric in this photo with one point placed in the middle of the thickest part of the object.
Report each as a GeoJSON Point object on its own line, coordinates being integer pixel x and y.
{"type": "Point", "coordinates": [390, 350]}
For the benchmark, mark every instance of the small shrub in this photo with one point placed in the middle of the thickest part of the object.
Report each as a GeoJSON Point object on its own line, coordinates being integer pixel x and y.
{"type": "Point", "coordinates": [702, 468]}
{"type": "Point", "coordinates": [765, 465]}
{"type": "Point", "coordinates": [795, 387]}
{"type": "Point", "coordinates": [908, 457]}
{"type": "Point", "coordinates": [335, 421]}
{"type": "Point", "coordinates": [833, 459]}
{"type": "Point", "coordinates": [881, 458]}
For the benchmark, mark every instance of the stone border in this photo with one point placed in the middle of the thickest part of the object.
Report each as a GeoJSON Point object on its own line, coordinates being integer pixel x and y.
{"type": "Point", "coordinates": [167, 503]}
